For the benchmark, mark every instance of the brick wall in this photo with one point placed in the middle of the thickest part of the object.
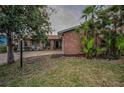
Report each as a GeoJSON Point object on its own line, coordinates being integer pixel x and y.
{"type": "Point", "coordinates": [71, 43]}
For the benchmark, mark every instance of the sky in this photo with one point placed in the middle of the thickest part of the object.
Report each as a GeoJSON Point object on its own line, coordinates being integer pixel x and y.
{"type": "Point", "coordinates": [66, 16]}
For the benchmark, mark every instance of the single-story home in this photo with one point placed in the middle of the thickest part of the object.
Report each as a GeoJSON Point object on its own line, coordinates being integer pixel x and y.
{"type": "Point", "coordinates": [53, 43]}
{"type": "Point", "coordinates": [68, 40]}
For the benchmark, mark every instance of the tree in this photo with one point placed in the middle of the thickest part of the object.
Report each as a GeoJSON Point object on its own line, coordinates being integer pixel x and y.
{"type": "Point", "coordinates": [117, 15]}
{"type": "Point", "coordinates": [105, 23]}
{"type": "Point", "coordinates": [89, 28]}
{"type": "Point", "coordinates": [114, 18]}
{"type": "Point", "coordinates": [23, 21]}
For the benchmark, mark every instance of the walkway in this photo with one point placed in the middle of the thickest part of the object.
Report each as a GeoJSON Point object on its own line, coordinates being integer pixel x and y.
{"type": "Point", "coordinates": [3, 57]}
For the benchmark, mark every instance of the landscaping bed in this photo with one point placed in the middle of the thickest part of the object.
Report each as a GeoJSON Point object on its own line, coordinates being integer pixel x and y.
{"type": "Point", "coordinates": [60, 71]}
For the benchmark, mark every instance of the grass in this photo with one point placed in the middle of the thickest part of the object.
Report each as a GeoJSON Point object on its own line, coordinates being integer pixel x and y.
{"type": "Point", "coordinates": [63, 72]}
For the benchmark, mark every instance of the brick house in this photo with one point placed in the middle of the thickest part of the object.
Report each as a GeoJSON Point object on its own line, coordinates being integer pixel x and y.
{"type": "Point", "coordinates": [70, 41]}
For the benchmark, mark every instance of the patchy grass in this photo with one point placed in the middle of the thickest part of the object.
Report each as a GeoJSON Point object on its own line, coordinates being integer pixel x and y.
{"type": "Point", "coordinates": [64, 72]}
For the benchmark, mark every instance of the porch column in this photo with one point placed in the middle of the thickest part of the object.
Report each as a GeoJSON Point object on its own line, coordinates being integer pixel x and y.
{"type": "Point", "coordinates": [41, 45]}
{"type": "Point", "coordinates": [51, 44]}
{"type": "Point", "coordinates": [29, 45]}
{"type": "Point", "coordinates": [18, 49]}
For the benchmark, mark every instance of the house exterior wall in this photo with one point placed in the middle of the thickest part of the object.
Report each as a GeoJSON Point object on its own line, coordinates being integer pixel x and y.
{"type": "Point", "coordinates": [71, 43]}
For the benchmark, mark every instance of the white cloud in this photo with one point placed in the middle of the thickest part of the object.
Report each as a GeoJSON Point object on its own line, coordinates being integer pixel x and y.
{"type": "Point", "coordinates": [66, 16]}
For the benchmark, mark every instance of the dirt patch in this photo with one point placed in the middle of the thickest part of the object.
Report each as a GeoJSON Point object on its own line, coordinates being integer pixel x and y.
{"type": "Point", "coordinates": [55, 56]}
{"type": "Point", "coordinates": [41, 58]}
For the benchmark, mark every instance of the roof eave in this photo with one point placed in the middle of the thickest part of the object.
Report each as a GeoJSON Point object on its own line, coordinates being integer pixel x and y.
{"type": "Point", "coordinates": [67, 30]}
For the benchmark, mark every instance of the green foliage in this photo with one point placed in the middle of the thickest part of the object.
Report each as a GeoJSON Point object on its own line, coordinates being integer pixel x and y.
{"type": "Point", "coordinates": [88, 48]}
{"type": "Point", "coordinates": [120, 43]}
{"type": "Point", "coordinates": [3, 49]}
{"type": "Point", "coordinates": [107, 22]}
{"type": "Point", "coordinates": [89, 9]}
{"type": "Point", "coordinates": [90, 43]}
{"type": "Point", "coordinates": [84, 40]}
{"type": "Point", "coordinates": [100, 51]}
{"type": "Point", "coordinates": [25, 20]}
{"type": "Point", "coordinates": [86, 25]}
{"type": "Point", "coordinates": [89, 30]}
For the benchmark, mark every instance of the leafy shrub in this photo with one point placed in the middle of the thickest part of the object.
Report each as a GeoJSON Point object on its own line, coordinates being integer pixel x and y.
{"type": "Point", "coordinates": [120, 44]}
{"type": "Point", "coordinates": [3, 49]}
{"type": "Point", "coordinates": [100, 51]}
{"type": "Point", "coordinates": [88, 49]}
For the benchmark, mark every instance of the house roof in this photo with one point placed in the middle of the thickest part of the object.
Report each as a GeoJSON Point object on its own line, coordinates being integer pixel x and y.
{"type": "Point", "coordinates": [68, 29]}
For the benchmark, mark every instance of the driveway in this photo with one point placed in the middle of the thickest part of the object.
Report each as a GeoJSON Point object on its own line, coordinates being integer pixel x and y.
{"type": "Point", "coordinates": [3, 57]}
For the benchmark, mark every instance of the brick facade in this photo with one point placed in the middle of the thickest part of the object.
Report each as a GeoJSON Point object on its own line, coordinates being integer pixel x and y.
{"type": "Point", "coordinates": [71, 43]}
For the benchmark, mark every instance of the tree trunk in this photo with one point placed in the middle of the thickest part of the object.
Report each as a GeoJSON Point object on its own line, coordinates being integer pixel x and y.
{"type": "Point", "coordinates": [114, 40]}
{"type": "Point", "coordinates": [10, 55]}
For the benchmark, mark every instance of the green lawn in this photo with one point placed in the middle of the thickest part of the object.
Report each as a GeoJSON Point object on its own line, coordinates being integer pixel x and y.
{"type": "Point", "coordinates": [64, 71]}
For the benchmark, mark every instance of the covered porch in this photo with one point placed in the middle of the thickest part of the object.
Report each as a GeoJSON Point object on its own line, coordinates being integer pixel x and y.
{"type": "Point", "coordinates": [53, 43]}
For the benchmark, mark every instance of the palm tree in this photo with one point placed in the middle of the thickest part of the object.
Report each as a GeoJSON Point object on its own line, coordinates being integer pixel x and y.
{"type": "Point", "coordinates": [89, 14]}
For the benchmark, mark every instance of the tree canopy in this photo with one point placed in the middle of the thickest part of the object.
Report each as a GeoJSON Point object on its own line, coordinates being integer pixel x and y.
{"type": "Point", "coordinates": [23, 21]}
{"type": "Point", "coordinates": [103, 30]}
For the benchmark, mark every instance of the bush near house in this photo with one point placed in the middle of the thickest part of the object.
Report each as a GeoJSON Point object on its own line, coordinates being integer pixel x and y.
{"type": "Point", "coordinates": [102, 23]}
{"type": "Point", "coordinates": [3, 49]}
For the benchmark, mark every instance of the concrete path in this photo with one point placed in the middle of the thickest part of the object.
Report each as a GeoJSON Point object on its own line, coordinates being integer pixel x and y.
{"type": "Point", "coordinates": [3, 57]}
